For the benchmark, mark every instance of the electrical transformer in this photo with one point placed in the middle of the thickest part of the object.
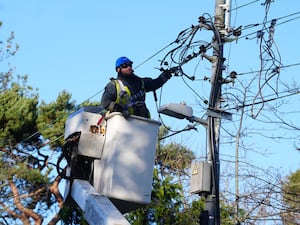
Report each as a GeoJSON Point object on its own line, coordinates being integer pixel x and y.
{"type": "Point", "coordinates": [201, 178]}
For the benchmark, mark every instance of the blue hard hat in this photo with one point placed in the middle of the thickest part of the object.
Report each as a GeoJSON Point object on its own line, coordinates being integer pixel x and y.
{"type": "Point", "coordinates": [122, 60]}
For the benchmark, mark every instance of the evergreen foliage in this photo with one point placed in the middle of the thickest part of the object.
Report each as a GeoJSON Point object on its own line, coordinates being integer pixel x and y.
{"type": "Point", "coordinates": [291, 199]}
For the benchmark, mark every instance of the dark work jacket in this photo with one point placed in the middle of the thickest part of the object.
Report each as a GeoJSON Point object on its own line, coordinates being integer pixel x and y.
{"type": "Point", "coordinates": [136, 85]}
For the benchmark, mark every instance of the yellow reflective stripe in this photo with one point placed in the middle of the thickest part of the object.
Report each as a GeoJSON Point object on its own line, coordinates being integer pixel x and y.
{"type": "Point", "coordinates": [123, 101]}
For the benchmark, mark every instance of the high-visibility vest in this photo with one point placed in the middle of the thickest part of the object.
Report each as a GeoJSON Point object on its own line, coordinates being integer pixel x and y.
{"type": "Point", "coordinates": [124, 97]}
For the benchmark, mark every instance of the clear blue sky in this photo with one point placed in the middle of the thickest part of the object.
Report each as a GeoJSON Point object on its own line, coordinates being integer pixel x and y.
{"type": "Point", "coordinates": [73, 45]}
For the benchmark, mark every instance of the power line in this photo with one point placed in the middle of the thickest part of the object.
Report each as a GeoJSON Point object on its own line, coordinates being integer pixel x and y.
{"type": "Point", "coordinates": [258, 24]}
{"type": "Point", "coordinates": [264, 101]}
{"type": "Point", "coordinates": [256, 71]}
{"type": "Point", "coordinates": [242, 6]}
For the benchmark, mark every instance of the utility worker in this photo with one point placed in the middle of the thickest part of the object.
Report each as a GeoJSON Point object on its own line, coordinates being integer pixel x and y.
{"type": "Point", "coordinates": [126, 93]}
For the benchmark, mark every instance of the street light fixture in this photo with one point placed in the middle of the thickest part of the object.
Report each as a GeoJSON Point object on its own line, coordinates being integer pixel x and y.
{"type": "Point", "coordinates": [181, 111]}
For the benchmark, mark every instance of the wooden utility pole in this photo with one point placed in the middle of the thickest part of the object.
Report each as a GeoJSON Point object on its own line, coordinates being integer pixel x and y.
{"type": "Point", "coordinates": [211, 214]}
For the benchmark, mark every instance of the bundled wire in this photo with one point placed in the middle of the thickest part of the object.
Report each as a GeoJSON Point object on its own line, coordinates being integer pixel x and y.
{"type": "Point", "coordinates": [188, 48]}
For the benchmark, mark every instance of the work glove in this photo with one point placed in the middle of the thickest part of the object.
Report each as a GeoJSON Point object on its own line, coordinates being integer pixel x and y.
{"type": "Point", "coordinates": [166, 75]}
{"type": "Point", "coordinates": [126, 114]}
{"type": "Point", "coordinates": [115, 107]}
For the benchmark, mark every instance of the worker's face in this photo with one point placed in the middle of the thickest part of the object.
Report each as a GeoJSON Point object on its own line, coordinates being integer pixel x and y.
{"type": "Point", "coordinates": [125, 69]}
